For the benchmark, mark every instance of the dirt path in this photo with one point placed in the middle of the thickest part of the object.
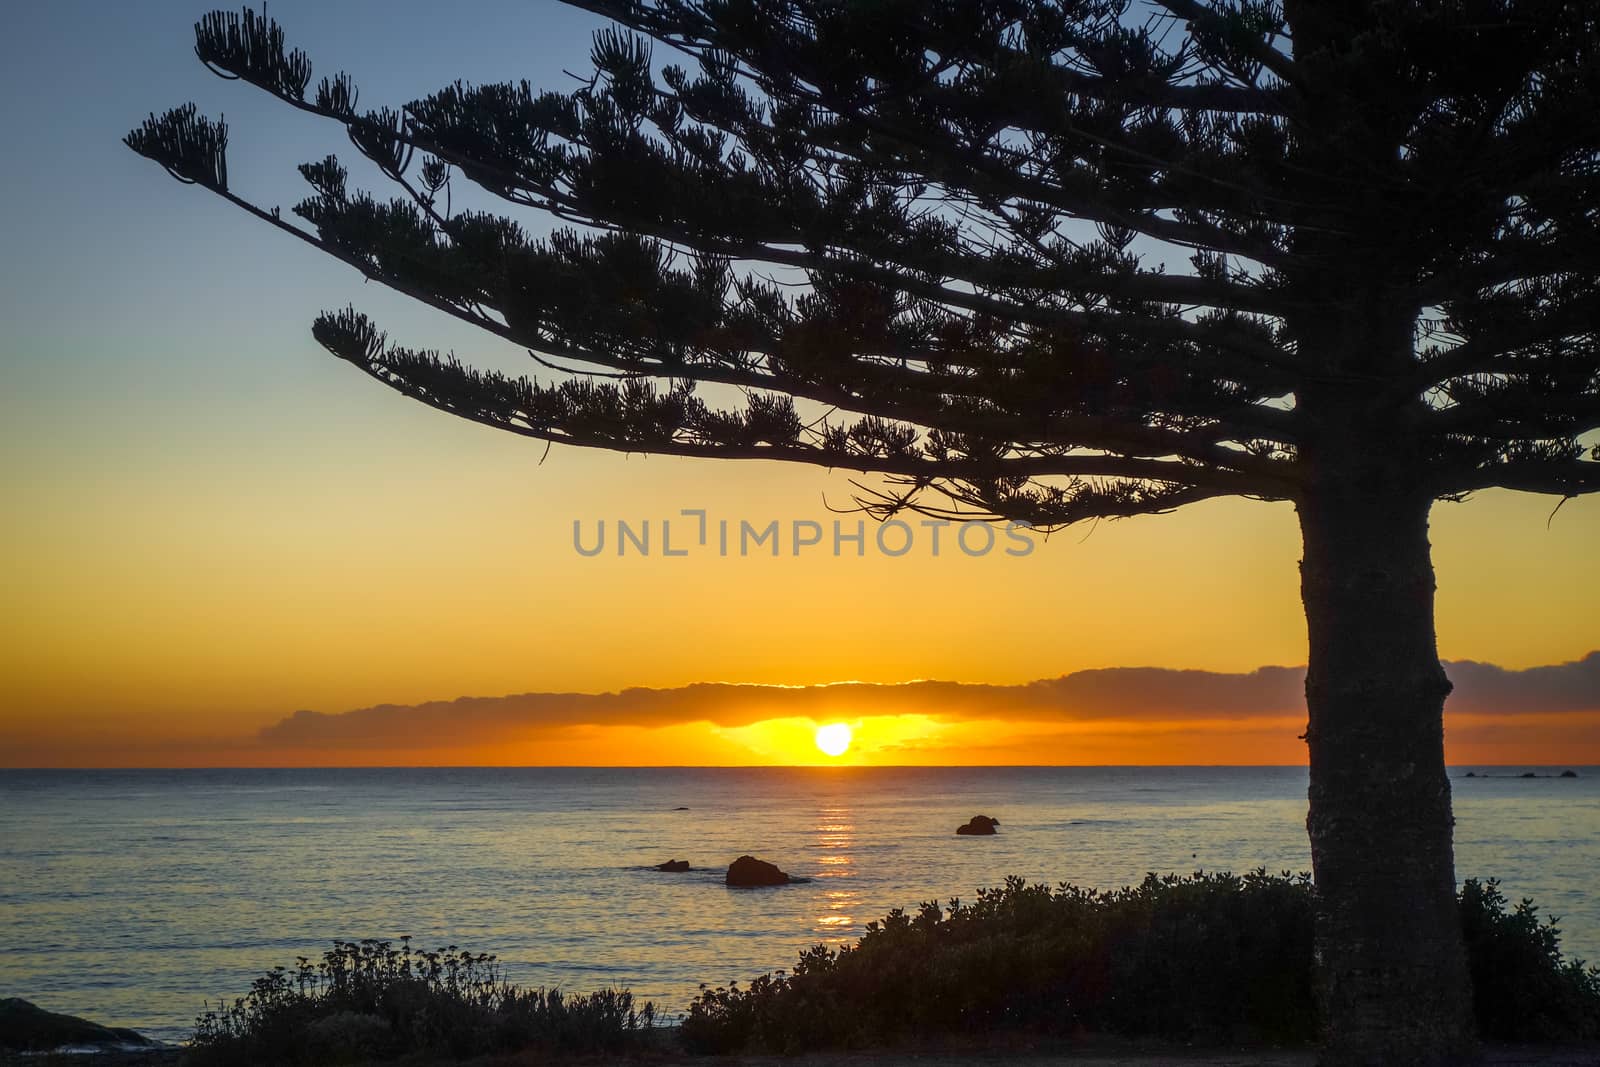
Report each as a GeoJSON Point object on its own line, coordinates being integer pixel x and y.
{"type": "Point", "coordinates": [1133, 1057]}
{"type": "Point", "coordinates": [1088, 1054]}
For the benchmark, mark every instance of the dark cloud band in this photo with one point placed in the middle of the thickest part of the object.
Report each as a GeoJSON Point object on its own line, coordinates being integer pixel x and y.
{"type": "Point", "coordinates": [1153, 694]}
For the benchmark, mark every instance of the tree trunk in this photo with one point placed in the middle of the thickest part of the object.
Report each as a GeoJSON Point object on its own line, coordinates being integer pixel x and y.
{"type": "Point", "coordinates": [1392, 970]}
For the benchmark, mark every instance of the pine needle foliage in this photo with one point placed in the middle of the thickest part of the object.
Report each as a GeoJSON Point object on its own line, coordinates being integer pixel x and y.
{"type": "Point", "coordinates": [934, 224]}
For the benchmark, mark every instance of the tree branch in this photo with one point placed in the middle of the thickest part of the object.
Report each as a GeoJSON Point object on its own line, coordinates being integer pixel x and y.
{"type": "Point", "coordinates": [1574, 478]}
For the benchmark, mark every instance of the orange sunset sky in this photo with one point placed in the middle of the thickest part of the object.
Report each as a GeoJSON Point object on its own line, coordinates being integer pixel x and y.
{"type": "Point", "coordinates": [211, 525]}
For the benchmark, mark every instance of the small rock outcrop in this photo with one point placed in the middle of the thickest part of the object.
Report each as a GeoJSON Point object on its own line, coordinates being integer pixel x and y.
{"type": "Point", "coordinates": [674, 866]}
{"type": "Point", "coordinates": [1569, 774]}
{"type": "Point", "coordinates": [26, 1027]}
{"type": "Point", "coordinates": [978, 826]}
{"type": "Point", "coordinates": [749, 871]}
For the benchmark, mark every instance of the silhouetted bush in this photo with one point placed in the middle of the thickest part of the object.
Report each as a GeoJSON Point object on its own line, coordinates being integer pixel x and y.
{"type": "Point", "coordinates": [1207, 958]}
{"type": "Point", "coordinates": [371, 1001]}
{"type": "Point", "coordinates": [1212, 956]}
{"type": "Point", "coordinates": [1522, 989]}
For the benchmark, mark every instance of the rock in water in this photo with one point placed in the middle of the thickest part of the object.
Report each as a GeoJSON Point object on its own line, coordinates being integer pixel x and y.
{"type": "Point", "coordinates": [1569, 774]}
{"type": "Point", "coordinates": [26, 1027]}
{"type": "Point", "coordinates": [673, 866]}
{"type": "Point", "coordinates": [749, 871]}
{"type": "Point", "coordinates": [977, 826]}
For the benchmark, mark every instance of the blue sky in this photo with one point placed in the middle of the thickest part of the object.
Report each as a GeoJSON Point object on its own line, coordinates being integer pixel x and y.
{"type": "Point", "coordinates": [106, 253]}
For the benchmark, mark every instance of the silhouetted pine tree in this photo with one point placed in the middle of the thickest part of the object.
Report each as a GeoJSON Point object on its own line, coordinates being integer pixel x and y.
{"type": "Point", "coordinates": [1390, 208]}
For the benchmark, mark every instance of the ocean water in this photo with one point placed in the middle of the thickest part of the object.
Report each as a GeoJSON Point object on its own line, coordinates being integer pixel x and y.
{"type": "Point", "coordinates": [134, 897]}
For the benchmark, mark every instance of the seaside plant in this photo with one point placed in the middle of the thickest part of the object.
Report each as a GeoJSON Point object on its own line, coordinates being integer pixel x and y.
{"type": "Point", "coordinates": [1208, 958]}
{"type": "Point", "coordinates": [369, 1000]}
{"type": "Point", "coordinates": [1523, 989]}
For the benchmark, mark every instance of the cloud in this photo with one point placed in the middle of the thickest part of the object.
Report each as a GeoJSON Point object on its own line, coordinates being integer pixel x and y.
{"type": "Point", "coordinates": [1117, 694]}
{"type": "Point", "coordinates": [1484, 689]}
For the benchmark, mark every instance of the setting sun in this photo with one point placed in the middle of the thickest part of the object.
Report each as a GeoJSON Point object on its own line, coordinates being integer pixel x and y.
{"type": "Point", "coordinates": [834, 738]}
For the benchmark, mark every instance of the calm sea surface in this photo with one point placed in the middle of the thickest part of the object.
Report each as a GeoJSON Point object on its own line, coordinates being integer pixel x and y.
{"type": "Point", "coordinates": [132, 897]}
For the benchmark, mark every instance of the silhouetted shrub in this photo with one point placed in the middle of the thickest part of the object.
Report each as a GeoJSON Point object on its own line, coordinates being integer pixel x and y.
{"type": "Point", "coordinates": [1206, 958]}
{"type": "Point", "coordinates": [1522, 989]}
{"type": "Point", "coordinates": [371, 1001]}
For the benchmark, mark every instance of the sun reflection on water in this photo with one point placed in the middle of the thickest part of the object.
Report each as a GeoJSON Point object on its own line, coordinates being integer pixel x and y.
{"type": "Point", "coordinates": [835, 838]}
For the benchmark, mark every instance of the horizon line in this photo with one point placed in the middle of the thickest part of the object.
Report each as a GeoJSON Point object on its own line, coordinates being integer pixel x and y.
{"type": "Point", "coordinates": [734, 766]}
